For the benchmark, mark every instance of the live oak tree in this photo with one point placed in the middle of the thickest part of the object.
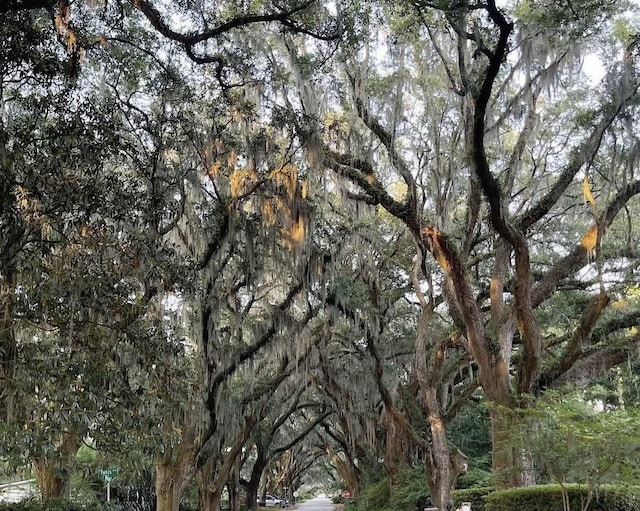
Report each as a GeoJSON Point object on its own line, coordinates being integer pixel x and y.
{"type": "Point", "coordinates": [242, 224]}
{"type": "Point", "coordinates": [155, 153]}
{"type": "Point", "coordinates": [466, 112]}
{"type": "Point", "coordinates": [392, 345]}
{"type": "Point", "coordinates": [467, 130]}
{"type": "Point", "coordinates": [163, 158]}
{"type": "Point", "coordinates": [290, 415]}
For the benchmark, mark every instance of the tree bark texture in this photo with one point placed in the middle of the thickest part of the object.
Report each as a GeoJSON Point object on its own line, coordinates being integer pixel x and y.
{"type": "Point", "coordinates": [397, 447]}
{"type": "Point", "coordinates": [253, 485]}
{"type": "Point", "coordinates": [54, 473]}
{"type": "Point", "coordinates": [53, 478]}
{"type": "Point", "coordinates": [213, 475]}
{"type": "Point", "coordinates": [8, 348]}
{"type": "Point", "coordinates": [172, 476]}
{"type": "Point", "coordinates": [209, 490]}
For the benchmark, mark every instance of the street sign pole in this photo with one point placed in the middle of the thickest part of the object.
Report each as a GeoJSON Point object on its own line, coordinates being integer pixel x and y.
{"type": "Point", "coordinates": [108, 475]}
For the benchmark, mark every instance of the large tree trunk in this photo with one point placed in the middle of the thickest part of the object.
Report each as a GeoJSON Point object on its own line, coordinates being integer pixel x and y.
{"type": "Point", "coordinates": [169, 486]}
{"type": "Point", "coordinates": [233, 487]}
{"type": "Point", "coordinates": [209, 490]}
{"type": "Point", "coordinates": [53, 478]}
{"type": "Point", "coordinates": [348, 472]}
{"type": "Point", "coordinates": [443, 466]}
{"type": "Point", "coordinates": [512, 466]}
{"type": "Point", "coordinates": [213, 475]}
{"type": "Point", "coordinates": [396, 449]}
{"type": "Point", "coordinates": [253, 484]}
{"type": "Point", "coordinates": [54, 474]}
{"type": "Point", "coordinates": [442, 478]}
{"type": "Point", "coordinates": [172, 477]}
{"type": "Point", "coordinates": [167, 489]}
{"type": "Point", "coordinates": [7, 343]}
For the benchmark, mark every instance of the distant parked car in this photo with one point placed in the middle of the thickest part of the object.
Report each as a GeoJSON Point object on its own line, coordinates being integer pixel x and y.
{"type": "Point", "coordinates": [271, 501]}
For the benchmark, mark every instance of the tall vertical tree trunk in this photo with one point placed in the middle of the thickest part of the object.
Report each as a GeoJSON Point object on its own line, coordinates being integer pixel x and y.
{"type": "Point", "coordinates": [172, 477]}
{"type": "Point", "coordinates": [213, 475]}
{"type": "Point", "coordinates": [512, 466]}
{"type": "Point", "coordinates": [254, 481]}
{"type": "Point", "coordinates": [443, 466]}
{"type": "Point", "coordinates": [348, 472]}
{"type": "Point", "coordinates": [167, 489]}
{"type": "Point", "coordinates": [7, 343]}
{"type": "Point", "coordinates": [53, 478]}
{"type": "Point", "coordinates": [208, 490]}
{"type": "Point", "coordinates": [211, 480]}
{"type": "Point", "coordinates": [210, 500]}
{"type": "Point", "coordinates": [233, 487]}
{"type": "Point", "coordinates": [396, 449]}
{"type": "Point", "coordinates": [54, 473]}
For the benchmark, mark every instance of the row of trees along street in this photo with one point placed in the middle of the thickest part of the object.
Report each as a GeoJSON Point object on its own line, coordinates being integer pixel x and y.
{"type": "Point", "coordinates": [246, 242]}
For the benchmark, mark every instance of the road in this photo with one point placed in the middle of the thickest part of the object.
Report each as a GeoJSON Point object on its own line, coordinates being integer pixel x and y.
{"type": "Point", "coordinates": [317, 504]}
{"type": "Point", "coordinates": [15, 492]}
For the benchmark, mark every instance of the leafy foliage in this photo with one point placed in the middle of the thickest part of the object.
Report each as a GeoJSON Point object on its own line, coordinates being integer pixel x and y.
{"type": "Point", "coordinates": [376, 497]}
{"type": "Point", "coordinates": [410, 490]}
{"type": "Point", "coordinates": [550, 498]}
{"type": "Point", "coordinates": [52, 505]}
{"type": "Point", "coordinates": [574, 442]}
{"type": "Point", "coordinates": [381, 205]}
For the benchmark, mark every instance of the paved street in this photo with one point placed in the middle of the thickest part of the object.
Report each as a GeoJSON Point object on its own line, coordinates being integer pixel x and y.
{"type": "Point", "coordinates": [317, 504]}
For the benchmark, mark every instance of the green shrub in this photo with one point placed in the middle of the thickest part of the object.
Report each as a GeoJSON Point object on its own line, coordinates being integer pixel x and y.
{"type": "Point", "coordinates": [50, 505]}
{"type": "Point", "coordinates": [376, 497]}
{"type": "Point", "coordinates": [411, 489]}
{"type": "Point", "coordinates": [549, 498]}
{"type": "Point", "coordinates": [476, 496]}
{"type": "Point", "coordinates": [475, 478]}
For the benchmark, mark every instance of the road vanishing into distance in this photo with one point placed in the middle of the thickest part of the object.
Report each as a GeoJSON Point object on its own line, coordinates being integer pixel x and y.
{"type": "Point", "coordinates": [15, 492]}
{"type": "Point", "coordinates": [316, 504]}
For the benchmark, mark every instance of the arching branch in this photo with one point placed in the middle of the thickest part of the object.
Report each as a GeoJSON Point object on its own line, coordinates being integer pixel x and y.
{"type": "Point", "coordinates": [579, 256]}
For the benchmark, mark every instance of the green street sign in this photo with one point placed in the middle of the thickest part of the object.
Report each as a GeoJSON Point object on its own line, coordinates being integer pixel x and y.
{"type": "Point", "coordinates": [109, 474]}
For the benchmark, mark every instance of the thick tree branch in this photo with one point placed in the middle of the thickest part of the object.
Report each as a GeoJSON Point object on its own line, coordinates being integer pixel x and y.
{"type": "Point", "coordinates": [361, 173]}
{"type": "Point", "coordinates": [387, 140]}
{"type": "Point", "coordinates": [524, 310]}
{"type": "Point", "coordinates": [190, 40]}
{"type": "Point", "coordinates": [488, 182]}
{"type": "Point", "coordinates": [595, 364]}
{"type": "Point", "coordinates": [579, 256]}
{"type": "Point", "coordinates": [216, 241]}
{"type": "Point", "coordinates": [578, 341]}
{"type": "Point", "coordinates": [303, 434]}
{"type": "Point", "coordinates": [371, 333]}
{"type": "Point", "coordinates": [580, 156]}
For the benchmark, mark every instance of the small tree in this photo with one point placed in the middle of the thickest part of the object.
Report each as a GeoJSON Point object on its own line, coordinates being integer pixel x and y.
{"type": "Point", "coordinates": [573, 440]}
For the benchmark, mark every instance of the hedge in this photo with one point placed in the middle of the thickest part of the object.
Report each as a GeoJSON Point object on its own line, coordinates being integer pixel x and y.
{"type": "Point", "coordinates": [549, 498]}
{"type": "Point", "coordinates": [51, 505]}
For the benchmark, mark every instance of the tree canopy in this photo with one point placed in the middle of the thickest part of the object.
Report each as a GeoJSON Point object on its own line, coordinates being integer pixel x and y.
{"type": "Point", "coordinates": [268, 232]}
